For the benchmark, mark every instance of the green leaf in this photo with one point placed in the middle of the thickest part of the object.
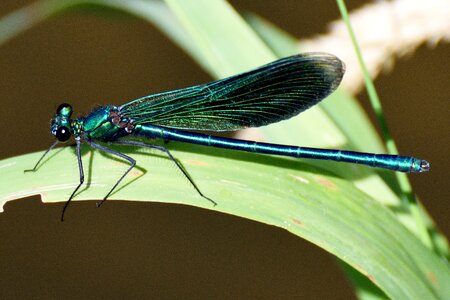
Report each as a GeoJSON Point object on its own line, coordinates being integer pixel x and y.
{"type": "Point", "coordinates": [309, 202]}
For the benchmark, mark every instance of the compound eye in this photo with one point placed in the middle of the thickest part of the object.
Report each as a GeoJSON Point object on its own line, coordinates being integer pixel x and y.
{"type": "Point", "coordinates": [62, 133]}
{"type": "Point", "coordinates": [64, 109]}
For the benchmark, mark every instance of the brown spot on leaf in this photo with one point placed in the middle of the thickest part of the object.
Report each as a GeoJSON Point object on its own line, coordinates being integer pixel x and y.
{"type": "Point", "coordinates": [432, 277]}
{"type": "Point", "coordinates": [196, 162]}
{"type": "Point", "coordinates": [135, 173]}
{"type": "Point", "coordinates": [364, 272]}
{"type": "Point", "coordinates": [298, 222]}
{"type": "Point", "coordinates": [326, 183]}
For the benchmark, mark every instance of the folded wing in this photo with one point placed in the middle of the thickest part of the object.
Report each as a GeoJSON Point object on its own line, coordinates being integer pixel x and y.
{"type": "Point", "coordinates": [268, 94]}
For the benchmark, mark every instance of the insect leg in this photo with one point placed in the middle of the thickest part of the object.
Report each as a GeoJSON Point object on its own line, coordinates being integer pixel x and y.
{"type": "Point", "coordinates": [80, 168]}
{"type": "Point", "coordinates": [165, 150]}
{"type": "Point", "coordinates": [116, 153]}
{"type": "Point", "coordinates": [40, 159]}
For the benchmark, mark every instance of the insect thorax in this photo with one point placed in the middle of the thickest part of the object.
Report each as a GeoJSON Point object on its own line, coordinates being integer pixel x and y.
{"type": "Point", "coordinates": [106, 123]}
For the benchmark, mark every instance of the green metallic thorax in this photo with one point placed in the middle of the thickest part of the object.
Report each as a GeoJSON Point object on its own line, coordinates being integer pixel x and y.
{"type": "Point", "coordinates": [104, 123]}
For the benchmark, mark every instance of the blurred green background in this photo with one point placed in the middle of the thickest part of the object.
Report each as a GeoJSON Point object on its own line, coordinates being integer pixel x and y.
{"type": "Point", "coordinates": [172, 251]}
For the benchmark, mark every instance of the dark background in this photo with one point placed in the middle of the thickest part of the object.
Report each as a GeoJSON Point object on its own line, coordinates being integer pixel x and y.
{"type": "Point", "coordinates": [173, 251]}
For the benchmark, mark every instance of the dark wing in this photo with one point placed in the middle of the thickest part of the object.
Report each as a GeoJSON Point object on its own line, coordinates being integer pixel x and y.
{"type": "Point", "coordinates": [268, 94]}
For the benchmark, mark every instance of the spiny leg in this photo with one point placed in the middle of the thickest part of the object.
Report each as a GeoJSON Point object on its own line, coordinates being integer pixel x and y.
{"type": "Point", "coordinates": [116, 153]}
{"type": "Point", "coordinates": [165, 150]}
{"type": "Point", "coordinates": [80, 167]}
{"type": "Point", "coordinates": [40, 159]}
